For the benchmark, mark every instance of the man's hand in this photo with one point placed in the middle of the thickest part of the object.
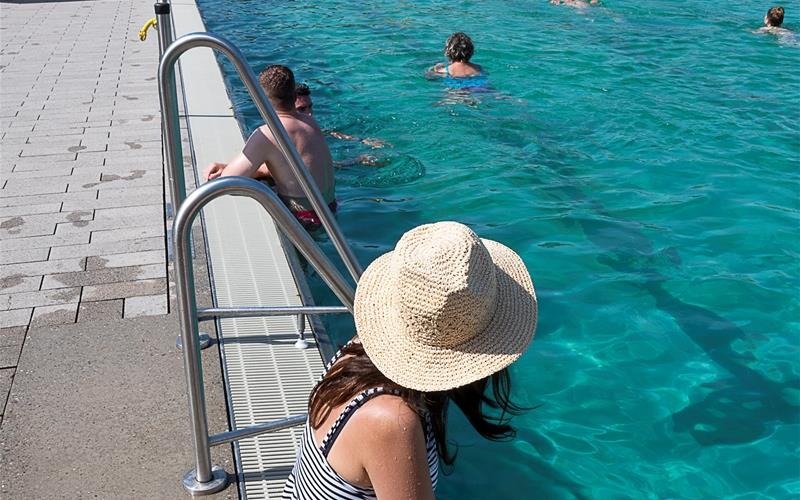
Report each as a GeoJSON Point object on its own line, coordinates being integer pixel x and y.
{"type": "Point", "coordinates": [375, 143]}
{"type": "Point", "coordinates": [213, 170]}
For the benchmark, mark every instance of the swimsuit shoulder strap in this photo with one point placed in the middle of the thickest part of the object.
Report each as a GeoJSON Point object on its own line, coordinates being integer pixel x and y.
{"type": "Point", "coordinates": [348, 412]}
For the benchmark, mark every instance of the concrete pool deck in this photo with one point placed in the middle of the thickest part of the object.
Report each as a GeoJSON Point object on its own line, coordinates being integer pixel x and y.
{"type": "Point", "coordinates": [91, 384]}
{"type": "Point", "coordinates": [92, 391]}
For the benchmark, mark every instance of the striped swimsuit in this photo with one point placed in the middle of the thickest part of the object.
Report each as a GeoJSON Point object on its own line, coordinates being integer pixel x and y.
{"type": "Point", "coordinates": [313, 478]}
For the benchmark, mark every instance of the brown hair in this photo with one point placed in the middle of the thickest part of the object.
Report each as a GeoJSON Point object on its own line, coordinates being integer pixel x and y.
{"type": "Point", "coordinates": [355, 373]}
{"type": "Point", "coordinates": [458, 47]}
{"type": "Point", "coordinates": [278, 83]}
{"type": "Point", "coordinates": [775, 16]}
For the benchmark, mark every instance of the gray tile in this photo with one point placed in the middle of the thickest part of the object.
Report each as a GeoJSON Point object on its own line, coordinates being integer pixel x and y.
{"type": "Point", "coordinates": [39, 298]}
{"type": "Point", "coordinates": [59, 314]}
{"type": "Point", "coordinates": [16, 317]}
{"type": "Point", "coordinates": [102, 276]}
{"type": "Point", "coordinates": [50, 240]}
{"type": "Point", "coordinates": [107, 248]}
{"type": "Point", "coordinates": [101, 310]}
{"type": "Point", "coordinates": [6, 378]}
{"type": "Point", "coordinates": [9, 356]}
{"type": "Point", "coordinates": [126, 289]}
{"type": "Point", "coordinates": [128, 233]}
{"type": "Point", "coordinates": [28, 255]}
{"type": "Point", "coordinates": [19, 283]}
{"type": "Point", "coordinates": [150, 305]}
{"type": "Point", "coordinates": [12, 336]}
{"type": "Point", "coordinates": [125, 259]}
{"type": "Point", "coordinates": [41, 268]}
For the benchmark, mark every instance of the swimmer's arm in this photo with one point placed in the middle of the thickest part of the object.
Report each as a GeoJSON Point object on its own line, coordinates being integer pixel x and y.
{"type": "Point", "coordinates": [436, 70]}
{"type": "Point", "coordinates": [254, 158]}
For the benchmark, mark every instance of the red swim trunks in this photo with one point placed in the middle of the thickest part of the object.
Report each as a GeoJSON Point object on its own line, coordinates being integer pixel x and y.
{"type": "Point", "coordinates": [309, 218]}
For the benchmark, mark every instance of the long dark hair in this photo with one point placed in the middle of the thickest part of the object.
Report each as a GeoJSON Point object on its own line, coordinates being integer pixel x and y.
{"type": "Point", "coordinates": [355, 373]}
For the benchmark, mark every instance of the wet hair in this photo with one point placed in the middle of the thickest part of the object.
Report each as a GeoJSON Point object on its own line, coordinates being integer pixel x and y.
{"type": "Point", "coordinates": [354, 374]}
{"type": "Point", "coordinates": [302, 89]}
{"type": "Point", "coordinates": [458, 47]}
{"type": "Point", "coordinates": [278, 83]}
{"type": "Point", "coordinates": [775, 16]}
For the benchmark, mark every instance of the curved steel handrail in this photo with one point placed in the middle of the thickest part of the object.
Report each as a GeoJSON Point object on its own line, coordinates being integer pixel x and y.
{"type": "Point", "coordinates": [174, 157]}
{"type": "Point", "coordinates": [187, 305]}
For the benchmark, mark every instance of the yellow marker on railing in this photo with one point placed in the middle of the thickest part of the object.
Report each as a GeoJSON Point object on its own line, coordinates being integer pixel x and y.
{"type": "Point", "coordinates": [143, 32]}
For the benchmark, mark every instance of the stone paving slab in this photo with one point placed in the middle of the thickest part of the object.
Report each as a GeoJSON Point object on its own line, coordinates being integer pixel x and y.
{"type": "Point", "coordinates": [127, 398]}
{"type": "Point", "coordinates": [102, 310]}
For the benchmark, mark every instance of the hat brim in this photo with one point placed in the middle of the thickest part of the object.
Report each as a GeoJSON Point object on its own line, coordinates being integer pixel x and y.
{"type": "Point", "coordinates": [422, 367]}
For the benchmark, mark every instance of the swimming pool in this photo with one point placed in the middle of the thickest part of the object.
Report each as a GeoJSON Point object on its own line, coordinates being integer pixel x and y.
{"type": "Point", "coordinates": [643, 159]}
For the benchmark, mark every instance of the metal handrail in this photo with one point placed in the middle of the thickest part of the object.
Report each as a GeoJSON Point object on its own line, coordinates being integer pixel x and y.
{"type": "Point", "coordinates": [169, 100]}
{"type": "Point", "coordinates": [205, 479]}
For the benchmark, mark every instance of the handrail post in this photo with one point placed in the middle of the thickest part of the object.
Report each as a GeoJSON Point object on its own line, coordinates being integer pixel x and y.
{"type": "Point", "coordinates": [205, 479]}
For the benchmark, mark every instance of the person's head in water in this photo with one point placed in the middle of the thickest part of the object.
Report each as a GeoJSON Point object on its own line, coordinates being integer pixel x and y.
{"type": "Point", "coordinates": [774, 17]}
{"type": "Point", "coordinates": [278, 83]}
{"type": "Point", "coordinates": [302, 102]}
{"type": "Point", "coordinates": [459, 48]}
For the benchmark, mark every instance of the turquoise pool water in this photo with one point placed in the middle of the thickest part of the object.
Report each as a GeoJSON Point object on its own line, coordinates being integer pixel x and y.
{"type": "Point", "coordinates": [643, 159]}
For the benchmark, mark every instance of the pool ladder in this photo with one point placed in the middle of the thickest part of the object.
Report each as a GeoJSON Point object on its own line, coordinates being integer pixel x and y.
{"type": "Point", "coordinates": [206, 479]}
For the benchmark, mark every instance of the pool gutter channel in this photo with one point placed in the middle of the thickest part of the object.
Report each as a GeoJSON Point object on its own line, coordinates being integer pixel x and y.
{"type": "Point", "coordinates": [250, 263]}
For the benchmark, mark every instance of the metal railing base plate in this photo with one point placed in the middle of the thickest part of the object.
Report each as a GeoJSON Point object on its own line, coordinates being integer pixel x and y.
{"type": "Point", "coordinates": [204, 341]}
{"type": "Point", "coordinates": [218, 482]}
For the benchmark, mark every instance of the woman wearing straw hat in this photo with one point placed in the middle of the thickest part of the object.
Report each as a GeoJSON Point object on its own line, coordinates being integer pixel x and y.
{"type": "Point", "coordinates": [436, 319]}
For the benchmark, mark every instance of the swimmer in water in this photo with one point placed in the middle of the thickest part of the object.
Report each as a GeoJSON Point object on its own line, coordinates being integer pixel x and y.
{"type": "Point", "coordinates": [773, 21]}
{"type": "Point", "coordinates": [578, 4]}
{"type": "Point", "coordinates": [460, 73]}
{"type": "Point", "coordinates": [304, 104]}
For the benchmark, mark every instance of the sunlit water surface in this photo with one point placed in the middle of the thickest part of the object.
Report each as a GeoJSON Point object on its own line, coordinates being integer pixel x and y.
{"type": "Point", "coordinates": [643, 158]}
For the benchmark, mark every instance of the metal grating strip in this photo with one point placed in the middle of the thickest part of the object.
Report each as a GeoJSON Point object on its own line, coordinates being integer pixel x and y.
{"type": "Point", "coordinates": [267, 376]}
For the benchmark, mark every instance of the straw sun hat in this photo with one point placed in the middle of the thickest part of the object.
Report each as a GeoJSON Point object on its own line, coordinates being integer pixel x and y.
{"type": "Point", "coordinates": [445, 308]}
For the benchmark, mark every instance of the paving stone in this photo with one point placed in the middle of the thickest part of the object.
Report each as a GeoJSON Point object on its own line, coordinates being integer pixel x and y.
{"type": "Point", "coordinates": [22, 210]}
{"type": "Point", "coordinates": [13, 201]}
{"type": "Point", "coordinates": [42, 224]}
{"type": "Point", "coordinates": [50, 240]}
{"type": "Point", "coordinates": [29, 255]}
{"type": "Point", "coordinates": [12, 336]}
{"type": "Point", "coordinates": [39, 298]}
{"type": "Point", "coordinates": [19, 283]}
{"type": "Point", "coordinates": [150, 305]}
{"type": "Point", "coordinates": [6, 378]}
{"type": "Point", "coordinates": [59, 314]}
{"type": "Point", "coordinates": [123, 290]}
{"type": "Point", "coordinates": [124, 221]}
{"type": "Point", "coordinates": [22, 188]}
{"type": "Point", "coordinates": [123, 260]}
{"type": "Point", "coordinates": [9, 356]}
{"type": "Point", "coordinates": [101, 276]}
{"type": "Point", "coordinates": [101, 310]}
{"type": "Point", "coordinates": [15, 317]}
{"type": "Point", "coordinates": [155, 211]}
{"type": "Point", "coordinates": [107, 248]}
{"type": "Point", "coordinates": [128, 233]}
{"type": "Point", "coordinates": [41, 162]}
{"type": "Point", "coordinates": [41, 268]}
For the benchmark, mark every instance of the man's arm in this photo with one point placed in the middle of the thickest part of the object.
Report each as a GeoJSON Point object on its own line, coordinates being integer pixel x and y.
{"type": "Point", "coordinates": [254, 154]}
{"type": "Point", "coordinates": [252, 162]}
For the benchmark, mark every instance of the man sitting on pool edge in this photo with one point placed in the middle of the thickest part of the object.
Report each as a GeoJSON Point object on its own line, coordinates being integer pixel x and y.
{"type": "Point", "coordinates": [261, 159]}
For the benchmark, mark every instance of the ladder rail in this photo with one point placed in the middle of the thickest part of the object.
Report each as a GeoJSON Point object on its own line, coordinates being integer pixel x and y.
{"type": "Point", "coordinates": [205, 479]}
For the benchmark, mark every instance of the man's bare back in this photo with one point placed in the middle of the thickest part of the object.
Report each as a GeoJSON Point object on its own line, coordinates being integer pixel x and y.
{"type": "Point", "coordinates": [261, 151]}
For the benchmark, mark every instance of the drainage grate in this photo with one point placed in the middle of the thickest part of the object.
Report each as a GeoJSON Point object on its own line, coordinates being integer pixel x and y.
{"type": "Point", "coordinates": [267, 377]}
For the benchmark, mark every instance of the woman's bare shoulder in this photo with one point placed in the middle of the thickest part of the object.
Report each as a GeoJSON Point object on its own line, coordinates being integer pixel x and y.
{"type": "Point", "coordinates": [382, 417]}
